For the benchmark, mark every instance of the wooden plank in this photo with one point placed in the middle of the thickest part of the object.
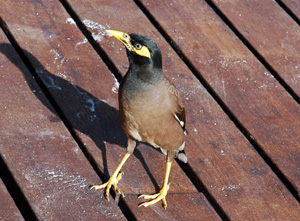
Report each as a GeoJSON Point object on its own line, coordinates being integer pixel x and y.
{"type": "Point", "coordinates": [87, 94]}
{"type": "Point", "coordinates": [293, 5]}
{"type": "Point", "coordinates": [232, 171]}
{"type": "Point", "coordinates": [245, 86]}
{"type": "Point", "coordinates": [46, 163]}
{"type": "Point", "coordinates": [271, 31]}
{"type": "Point", "coordinates": [8, 209]}
{"type": "Point", "coordinates": [188, 206]}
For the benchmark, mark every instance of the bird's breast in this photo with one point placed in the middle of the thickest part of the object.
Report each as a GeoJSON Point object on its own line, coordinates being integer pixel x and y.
{"type": "Point", "coordinates": [147, 114]}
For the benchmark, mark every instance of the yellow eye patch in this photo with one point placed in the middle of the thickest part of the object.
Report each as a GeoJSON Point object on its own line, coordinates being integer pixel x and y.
{"type": "Point", "coordinates": [144, 51]}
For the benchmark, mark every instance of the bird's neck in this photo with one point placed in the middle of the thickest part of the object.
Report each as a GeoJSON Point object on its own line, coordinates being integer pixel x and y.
{"type": "Point", "coordinates": [147, 73]}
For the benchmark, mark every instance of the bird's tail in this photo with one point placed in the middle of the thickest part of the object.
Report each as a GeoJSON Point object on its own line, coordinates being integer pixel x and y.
{"type": "Point", "coordinates": [181, 156]}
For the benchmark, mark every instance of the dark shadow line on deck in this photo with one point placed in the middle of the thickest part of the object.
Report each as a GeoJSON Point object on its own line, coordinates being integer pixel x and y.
{"type": "Point", "coordinates": [196, 181]}
{"type": "Point", "coordinates": [8, 178]}
{"type": "Point", "coordinates": [102, 54]}
{"type": "Point", "coordinates": [15, 192]}
{"type": "Point", "coordinates": [291, 188]}
{"type": "Point", "coordinates": [288, 11]}
{"type": "Point", "coordinates": [252, 49]}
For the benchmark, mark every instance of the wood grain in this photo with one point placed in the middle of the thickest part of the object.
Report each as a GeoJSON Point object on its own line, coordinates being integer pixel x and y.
{"type": "Point", "coordinates": [294, 6]}
{"type": "Point", "coordinates": [271, 31]}
{"type": "Point", "coordinates": [8, 209]}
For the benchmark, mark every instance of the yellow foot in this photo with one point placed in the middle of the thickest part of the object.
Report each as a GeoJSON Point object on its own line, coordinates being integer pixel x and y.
{"type": "Point", "coordinates": [113, 181]}
{"type": "Point", "coordinates": [156, 197]}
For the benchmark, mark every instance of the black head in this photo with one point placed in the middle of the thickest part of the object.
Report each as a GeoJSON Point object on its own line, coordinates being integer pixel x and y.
{"type": "Point", "coordinates": [141, 50]}
{"type": "Point", "coordinates": [146, 51]}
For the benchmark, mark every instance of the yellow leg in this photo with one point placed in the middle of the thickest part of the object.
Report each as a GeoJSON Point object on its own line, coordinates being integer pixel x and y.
{"type": "Point", "coordinates": [162, 193]}
{"type": "Point", "coordinates": [114, 179]}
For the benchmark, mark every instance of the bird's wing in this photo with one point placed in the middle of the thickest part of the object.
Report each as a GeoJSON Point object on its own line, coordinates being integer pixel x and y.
{"type": "Point", "coordinates": [179, 111]}
{"type": "Point", "coordinates": [180, 117]}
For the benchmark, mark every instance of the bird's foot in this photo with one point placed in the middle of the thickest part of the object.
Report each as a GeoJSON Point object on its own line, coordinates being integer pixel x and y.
{"type": "Point", "coordinates": [156, 197]}
{"type": "Point", "coordinates": [113, 181]}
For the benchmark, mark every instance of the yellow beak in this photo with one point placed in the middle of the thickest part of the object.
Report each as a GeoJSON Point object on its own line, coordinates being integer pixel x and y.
{"type": "Point", "coordinates": [122, 37]}
{"type": "Point", "coordinates": [125, 39]}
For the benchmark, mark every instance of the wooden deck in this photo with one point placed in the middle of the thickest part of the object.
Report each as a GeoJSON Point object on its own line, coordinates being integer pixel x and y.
{"type": "Point", "coordinates": [237, 65]}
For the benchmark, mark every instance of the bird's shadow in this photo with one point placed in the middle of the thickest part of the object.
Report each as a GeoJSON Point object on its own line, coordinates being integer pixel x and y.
{"type": "Point", "coordinates": [83, 111]}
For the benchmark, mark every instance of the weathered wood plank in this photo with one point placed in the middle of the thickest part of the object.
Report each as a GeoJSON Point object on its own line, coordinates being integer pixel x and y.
{"type": "Point", "coordinates": [188, 206]}
{"type": "Point", "coordinates": [258, 101]}
{"type": "Point", "coordinates": [227, 164]}
{"type": "Point", "coordinates": [271, 31]}
{"type": "Point", "coordinates": [294, 6]}
{"type": "Point", "coordinates": [41, 154]}
{"type": "Point", "coordinates": [86, 92]}
{"type": "Point", "coordinates": [8, 209]}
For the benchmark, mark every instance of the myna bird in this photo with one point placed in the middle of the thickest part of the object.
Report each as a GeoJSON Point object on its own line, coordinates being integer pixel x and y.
{"type": "Point", "coordinates": [151, 109]}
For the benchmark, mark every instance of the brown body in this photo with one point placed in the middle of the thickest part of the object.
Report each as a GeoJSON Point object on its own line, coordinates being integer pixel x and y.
{"type": "Point", "coordinates": [147, 117]}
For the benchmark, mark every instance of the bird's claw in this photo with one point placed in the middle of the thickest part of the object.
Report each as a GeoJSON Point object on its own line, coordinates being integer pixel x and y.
{"type": "Point", "coordinates": [113, 181]}
{"type": "Point", "coordinates": [156, 197]}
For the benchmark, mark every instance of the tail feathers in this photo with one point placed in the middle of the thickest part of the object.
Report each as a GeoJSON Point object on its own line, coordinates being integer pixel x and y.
{"type": "Point", "coordinates": [181, 156]}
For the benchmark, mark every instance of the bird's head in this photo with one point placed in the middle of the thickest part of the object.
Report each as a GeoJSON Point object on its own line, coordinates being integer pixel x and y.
{"type": "Point", "coordinates": [141, 50]}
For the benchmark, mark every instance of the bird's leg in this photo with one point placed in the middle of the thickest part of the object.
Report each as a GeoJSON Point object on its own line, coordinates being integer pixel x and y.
{"type": "Point", "coordinates": [162, 193]}
{"type": "Point", "coordinates": [117, 175]}
{"type": "Point", "coordinates": [114, 179]}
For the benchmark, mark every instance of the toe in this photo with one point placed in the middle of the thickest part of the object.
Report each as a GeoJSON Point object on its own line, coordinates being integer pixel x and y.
{"type": "Point", "coordinates": [118, 190]}
{"type": "Point", "coordinates": [149, 196]}
{"type": "Point", "coordinates": [146, 204]}
{"type": "Point", "coordinates": [97, 187]}
{"type": "Point", "coordinates": [107, 191]}
{"type": "Point", "coordinates": [155, 198]}
{"type": "Point", "coordinates": [164, 202]}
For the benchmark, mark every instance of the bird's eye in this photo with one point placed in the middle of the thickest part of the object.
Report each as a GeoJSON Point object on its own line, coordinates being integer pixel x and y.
{"type": "Point", "coordinates": [138, 46]}
{"type": "Point", "coordinates": [125, 36]}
